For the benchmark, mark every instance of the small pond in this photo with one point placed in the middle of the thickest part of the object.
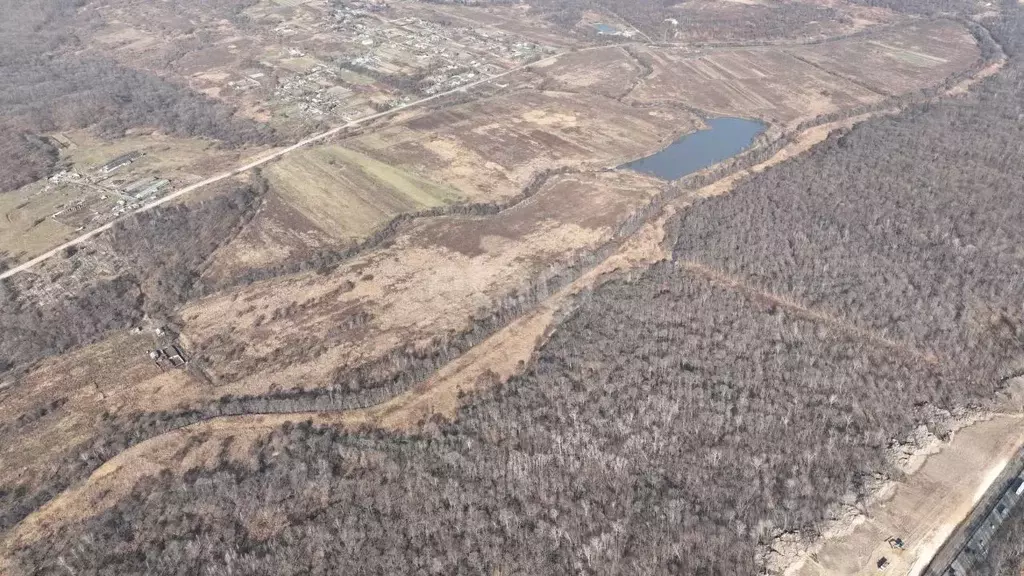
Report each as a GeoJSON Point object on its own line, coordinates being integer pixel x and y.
{"type": "Point", "coordinates": [725, 138]}
{"type": "Point", "coordinates": [606, 29]}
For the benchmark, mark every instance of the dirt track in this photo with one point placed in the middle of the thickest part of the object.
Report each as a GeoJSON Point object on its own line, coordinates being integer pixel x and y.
{"type": "Point", "coordinates": [498, 357]}
{"type": "Point", "coordinates": [274, 156]}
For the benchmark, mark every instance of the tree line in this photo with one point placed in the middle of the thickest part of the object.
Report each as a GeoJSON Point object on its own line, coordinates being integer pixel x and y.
{"type": "Point", "coordinates": [49, 83]}
{"type": "Point", "coordinates": [159, 255]}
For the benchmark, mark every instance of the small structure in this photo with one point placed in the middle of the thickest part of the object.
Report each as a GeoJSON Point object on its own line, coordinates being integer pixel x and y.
{"type": "Point", "coordinates": [169, 357]}
{"type": "Point", "coordinates": [896, 543]}
{"type": "Point", "coordinates": [151, 189]}
{"type": "Point", "coordinates": [122, 160]}
{"type": "Point", "coordinates": [882, 563]}
{"type": "Point", "coordinates": [65, 176]}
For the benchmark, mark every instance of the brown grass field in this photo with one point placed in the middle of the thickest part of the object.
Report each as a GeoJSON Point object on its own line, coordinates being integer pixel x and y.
{"type": "Point", "coordinates": [347, 194]}
{"type": "Point", "coordinates": [898, 60]}
{"type": "Point", "coordinates": [608, 72]}
{"type": "Point", "coordinates": [300, 329]}
{"type": "Point", "coordinates": [501, 356]}
{"type": "Point", "coordinates": [758, 83]}
{"type": "Point", "coordinates": [285, 331]}
{"type": "Point", "coordinates": [490, 149]}
{"type": "Point", "coordinates": [777, 22]}
{"type": "Point", "coordinates": [790, 85]}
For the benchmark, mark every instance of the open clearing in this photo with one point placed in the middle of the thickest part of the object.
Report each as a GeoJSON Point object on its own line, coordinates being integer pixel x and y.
{"type": "Point", "coordinates": [500, 356]}
{"type": "Point", "coordinates": [789, 85]}
{"type": "Point", "coordinates": [609, 72]}
{"type": "Point", "coordinates": [900, 59]}
{"type": "Point", "coordinates": [277, 234]}
{"type": "Point", "coordinates": [491, 149]}
{"type": "Point", "coordinates": [925, 508]}
{"type": "Point", "coordinates": [290, 331]}
{"type": "Point", "coordinates": [739, 20]}
{"type": "Point", "coordinates": [347, 194]}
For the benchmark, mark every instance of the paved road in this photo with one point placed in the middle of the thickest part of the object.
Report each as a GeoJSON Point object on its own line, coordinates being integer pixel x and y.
{"type": "Point", "coordinates": [274, 156]}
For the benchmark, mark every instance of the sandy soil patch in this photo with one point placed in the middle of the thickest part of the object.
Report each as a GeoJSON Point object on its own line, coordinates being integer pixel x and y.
{"type": "Point", "coordinates": [924, 509]}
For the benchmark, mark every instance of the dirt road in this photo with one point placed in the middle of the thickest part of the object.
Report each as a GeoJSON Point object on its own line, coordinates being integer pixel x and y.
{"type": "Point", "coordinates": [274, 156]}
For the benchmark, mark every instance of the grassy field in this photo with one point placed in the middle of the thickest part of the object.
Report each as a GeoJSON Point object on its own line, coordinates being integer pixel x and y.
{"type": "Point", "coordinates": [788, 86]}
{"type": "Point", "coordinates": [348, 194]}
{"type": "Point", "coordinates": [900, 60]}
{"type": "Point", "coordinates": [26, 228]}
{"type": "Point", "coordinates": [492, 148]}
{"type": "Point", "coordinates": [41, 215]}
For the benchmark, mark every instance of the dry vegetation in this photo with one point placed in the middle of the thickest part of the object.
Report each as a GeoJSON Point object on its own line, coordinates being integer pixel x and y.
{"type": "Point", "coordinates": [491, 149]}
{"type": "Point", "coordinates": [898, 60]}
{"type": "Point", "coordinates": [794, 84]}
{"type": "Point", "coordinates": [409, 283]}
{"type": "Point", "coordinates": [347, 194]}
{"type": "Point", "coordinates": [611, 72]}
{"type": "Point", "coordinates": [744, 21]}
{"type": "Point", "coordinates": [296, 331]}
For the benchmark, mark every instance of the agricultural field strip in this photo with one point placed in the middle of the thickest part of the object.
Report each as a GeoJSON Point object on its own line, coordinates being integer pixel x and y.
{"type": "Point", "coordinates": [274, 156]}
{"type": "Point", "coordinates": [839, 75]}
{"type": "Point", "coordinates": [642, 248]}
{"type": "Point", "coordinates": [359, 121]}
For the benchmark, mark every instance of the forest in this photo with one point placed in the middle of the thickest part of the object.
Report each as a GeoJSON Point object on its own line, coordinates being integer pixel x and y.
{"type": "Point", "coordinates": [159, 255]}
{"type": "Point", "coordinates": [48, 84]}
{"type": "Point", "coordinates": [663, 430]}
{"type": "Point", "coordinates": [676, 421]}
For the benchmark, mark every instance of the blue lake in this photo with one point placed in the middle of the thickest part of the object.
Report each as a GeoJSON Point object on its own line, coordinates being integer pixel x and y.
{"type": "Point", "coordinates": [725, 138]}
{"type": "Point", "coordinates": [605, 29]}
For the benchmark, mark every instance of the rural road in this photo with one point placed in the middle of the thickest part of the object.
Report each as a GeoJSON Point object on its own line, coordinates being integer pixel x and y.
{"type": "Point", "coordinates": [274, 156]}
{"type": "Point", "coordinates": [312, 140]}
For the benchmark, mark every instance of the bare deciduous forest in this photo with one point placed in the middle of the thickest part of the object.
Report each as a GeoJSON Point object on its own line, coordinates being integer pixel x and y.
{"type": "Point", "coordinates": [159, 256]}
{"type": "Point", "coordinates": [676, 421]}
{"type": "Point", "coordinates": [874, 228]}
{"type": "Point", "coordinates": [45, 85]}
{"type": "Point", "coordinates": [662, 430]}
